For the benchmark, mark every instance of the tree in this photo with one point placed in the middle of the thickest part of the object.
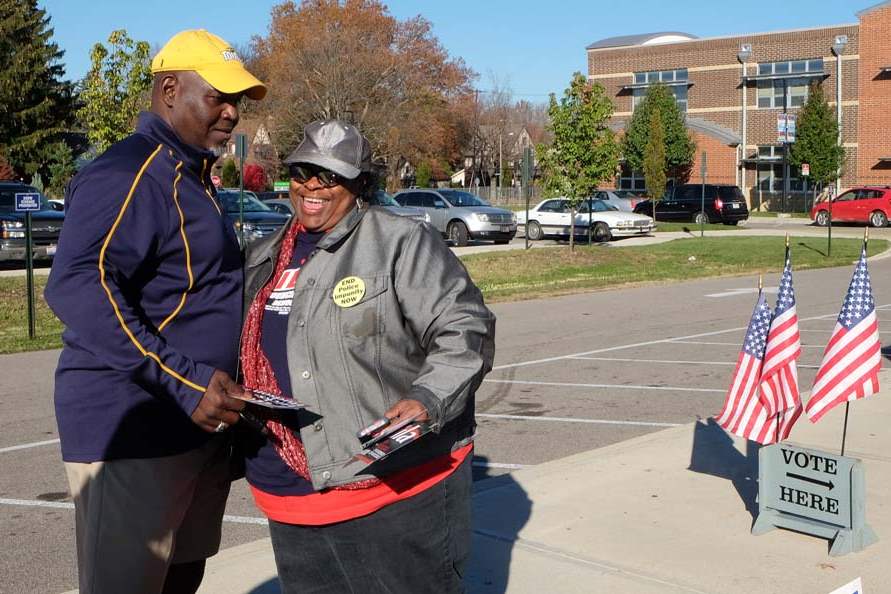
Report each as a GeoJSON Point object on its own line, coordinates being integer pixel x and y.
{"type": "Point", "coordinates": [35, 103]}
{"type": "Point", "coordinates": [679, 146]}
{"type": "Point", "coordinates": [254, 178]}
{"type": "Point", "coordinates": [423, 174]}
{"type": "Point", "coordinates": [61, 169]}
{"type": "Point", "coordinates": [584, 152]}
{"type": "Point", "coordinates": [816, 139]}
{"type": "Point", "coordinates": [116, 89]}
{"type": "Point", "coordinates": [654, 159]}
{"type": "Point", "coordinates": [229, 175]}
{"type": "Point", "coordinates": [353, 60]}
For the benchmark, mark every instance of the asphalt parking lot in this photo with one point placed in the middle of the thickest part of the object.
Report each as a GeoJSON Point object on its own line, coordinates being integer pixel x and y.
{"type": "Point", "coordinates": [572, 374]}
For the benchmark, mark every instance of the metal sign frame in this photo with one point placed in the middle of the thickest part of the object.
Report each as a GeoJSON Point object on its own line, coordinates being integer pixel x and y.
{"type": "Point", "coordinates": [813, 492]}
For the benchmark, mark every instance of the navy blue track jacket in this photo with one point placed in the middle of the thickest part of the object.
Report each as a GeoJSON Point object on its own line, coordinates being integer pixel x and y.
{"type": "Point", "coordinates": [148, 282]}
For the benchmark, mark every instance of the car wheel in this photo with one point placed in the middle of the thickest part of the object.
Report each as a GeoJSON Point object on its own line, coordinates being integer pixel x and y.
{"type": "Point", "coordinates": [878, 219]}
{"type": "Point", "coordinates": [822, 218]}
{"type": "Point", "coordinates": [700, 218]}
{"type": "Point", "coordinates": [601, 233]}
{"type": "Point", "coordinates": [533, 231]}
{"type": "Point", "coordinates": [458, 233]}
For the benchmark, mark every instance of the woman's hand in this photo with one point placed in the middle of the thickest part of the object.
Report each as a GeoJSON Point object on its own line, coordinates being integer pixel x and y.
{"type": "Point", "coordinates": [407, 409]}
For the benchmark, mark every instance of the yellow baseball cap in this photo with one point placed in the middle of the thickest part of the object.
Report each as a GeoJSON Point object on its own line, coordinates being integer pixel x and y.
{"type": "Point", "coordinates": [212, 58]}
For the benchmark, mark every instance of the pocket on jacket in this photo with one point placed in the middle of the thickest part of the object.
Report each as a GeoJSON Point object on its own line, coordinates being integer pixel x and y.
{"type": "Point", "coordinates": [365, 318]}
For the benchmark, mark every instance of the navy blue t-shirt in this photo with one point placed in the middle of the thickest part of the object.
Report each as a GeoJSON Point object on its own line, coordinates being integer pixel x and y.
{"type": "Point", "coordinates": [266, 470]}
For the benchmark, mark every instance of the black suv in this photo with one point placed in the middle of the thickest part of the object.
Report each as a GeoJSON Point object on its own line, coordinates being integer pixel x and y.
{"type": "Point", "coordinates": [723, 204]}
{"type": "Point", "coordinates": [46, 224]}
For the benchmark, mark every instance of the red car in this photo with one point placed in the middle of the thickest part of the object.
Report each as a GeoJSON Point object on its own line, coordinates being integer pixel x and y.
{"type": "Point", "coordinates": [866, 204]}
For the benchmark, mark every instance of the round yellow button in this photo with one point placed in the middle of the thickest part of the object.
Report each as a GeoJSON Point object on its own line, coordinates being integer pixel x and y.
{"type": "Point", "coordinates": [348, 291]}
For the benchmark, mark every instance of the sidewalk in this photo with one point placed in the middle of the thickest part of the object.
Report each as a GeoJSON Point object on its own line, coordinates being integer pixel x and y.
{"type": "Point", "coordinates": [663, 513]}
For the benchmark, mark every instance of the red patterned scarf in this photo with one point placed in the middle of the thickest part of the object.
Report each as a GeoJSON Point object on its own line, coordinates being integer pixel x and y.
{"type": "Point", "coordinates": [258, 371]}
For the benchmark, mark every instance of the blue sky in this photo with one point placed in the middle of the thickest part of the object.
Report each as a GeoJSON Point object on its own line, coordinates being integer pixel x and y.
{"type": "Point", "coordinates": [533, 47]}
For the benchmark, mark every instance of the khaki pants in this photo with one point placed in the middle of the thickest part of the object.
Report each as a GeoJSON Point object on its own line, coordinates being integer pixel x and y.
{"type": "Point", "coordinates": [136, 517]}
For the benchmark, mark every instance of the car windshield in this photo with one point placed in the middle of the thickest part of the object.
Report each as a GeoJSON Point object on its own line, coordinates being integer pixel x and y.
{"type": "Point", "coordinates": [7, 198]}
{"type": "Point", "coordinates": [251, 204]}
{"type": "Point", "coordinates": [458, 198]}
{"type": "Point", "coordinates": [381, 198]}
{"type": "Point", "coordinates": [597, 206]}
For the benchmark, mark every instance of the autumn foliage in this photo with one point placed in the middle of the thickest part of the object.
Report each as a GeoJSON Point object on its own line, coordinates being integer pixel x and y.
{"type": "Point", "coordinates": [254, 178]}
{"type": "Point", "coordinates": [353, 60]}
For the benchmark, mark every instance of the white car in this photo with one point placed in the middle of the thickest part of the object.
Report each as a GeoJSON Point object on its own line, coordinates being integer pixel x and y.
{"type": "Point", "coordinates": [552, 217]}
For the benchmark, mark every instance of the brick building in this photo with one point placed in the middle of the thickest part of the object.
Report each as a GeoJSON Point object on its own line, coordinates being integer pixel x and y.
{"type": "Point", "coordinates": [732, 89]}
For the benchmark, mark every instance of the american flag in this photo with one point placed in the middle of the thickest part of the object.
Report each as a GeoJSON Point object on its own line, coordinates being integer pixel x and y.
{"type": "Point", "coordinates": [852, 359]}
{"type": "Point", "coordinates": [743, 413]}
{"type": "Point", "coordinates": [779, 375]}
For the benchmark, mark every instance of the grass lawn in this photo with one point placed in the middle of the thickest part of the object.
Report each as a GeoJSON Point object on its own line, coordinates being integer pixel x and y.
{"type": "Point", "coordinates": [14, 317]}
{"type": "Point", "coordinates": [694, 228]}
{"type": "Point", "coordinates": [516, 275]}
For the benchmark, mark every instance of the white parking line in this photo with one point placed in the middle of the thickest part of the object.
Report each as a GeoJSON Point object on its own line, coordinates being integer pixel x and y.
{"type": "Point", "coordinates": [572, 420]}
{"type": "Point", "coordinates": [26, 446]}
{"type": "Point", "coordinates": [482, 464]}
{"type": "Point", "coordinates": [615, 386]}
{"type": "Point", "coordinates": [651, 342]}
{"type": "Point", "coordinates": [70, 505]}
{"type": "Point", "coordinates": [736, 344]}
{"type": "Point", "coordinates": [620, 360]}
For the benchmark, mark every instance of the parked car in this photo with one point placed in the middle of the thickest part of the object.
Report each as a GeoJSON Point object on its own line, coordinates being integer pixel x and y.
{"type": "Point", "coordinates": [553, 217]}
{"type": "Point", "coordinates": [612, 198]}
{"type": "Point", "coordinates": [276, 195]}
{"type": "Point", "coordinates": [281, 205]}
{"type": "Point", "coordinates": [723, 204]}
{"type": "Point", "coordinates": [381, 199]}
{"type": "Point", "coordinates": [866, 204]}
{"type": "Point", "coordinates": [460, 216]}
{"type": "Point", "coordinates": [46, 224]}
{"type": "Point", "coordinates": [56, 205]}
{"type": "Point", "coordinates": [259, 219]}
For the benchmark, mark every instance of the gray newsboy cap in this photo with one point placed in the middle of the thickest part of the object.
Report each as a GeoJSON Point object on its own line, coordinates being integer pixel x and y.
{"type": "Point", "coordinates": [334, 145]}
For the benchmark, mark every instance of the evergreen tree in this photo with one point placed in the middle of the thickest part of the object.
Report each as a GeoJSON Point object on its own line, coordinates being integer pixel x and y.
{"type": "Point", "coordinates": [679, 146]}
{"type": "Point", "coordinates": [229, 176]}
{"type": "Point", "coordinates": [584, 152]}
{"type": "Point", "coordinates": [816, 138]}
{"type": "Point", "coordinates": [423, 174]}
{"type": "Point", "coordinates": [115, 90]}
{"type": "Point", "coordinates": [35, 103]}
{"type": "Point", "coordinates": [61, 169]}
{"type": "Point", "coordinates": [654, 159]}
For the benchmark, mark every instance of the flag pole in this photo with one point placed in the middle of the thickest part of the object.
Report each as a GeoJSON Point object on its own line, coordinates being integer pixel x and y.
{"type": "Point", "coordinates": [845, 428]}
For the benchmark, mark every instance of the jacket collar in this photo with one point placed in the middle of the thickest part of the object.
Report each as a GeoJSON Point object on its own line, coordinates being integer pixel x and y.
{"type": "Point", "coordinates": [194, 158]}
{"type": "Point", "coordinates": [268, 247]}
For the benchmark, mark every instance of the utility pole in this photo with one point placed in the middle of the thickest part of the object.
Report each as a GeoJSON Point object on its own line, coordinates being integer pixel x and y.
{"type": "Point", "coordinates": [785, 142]}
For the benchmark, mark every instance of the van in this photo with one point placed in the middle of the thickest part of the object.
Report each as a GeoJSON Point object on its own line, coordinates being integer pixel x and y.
{"type": "Point", "coordinates": [684, 203]}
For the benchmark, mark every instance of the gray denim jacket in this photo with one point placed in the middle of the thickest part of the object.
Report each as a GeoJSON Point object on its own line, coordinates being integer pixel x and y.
{"type": "Point", "coordinates": [420, 330]}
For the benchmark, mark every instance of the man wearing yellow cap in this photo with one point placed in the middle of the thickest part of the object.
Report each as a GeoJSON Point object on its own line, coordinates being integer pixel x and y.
{"type": "Point", "coordinates": [148, 282]}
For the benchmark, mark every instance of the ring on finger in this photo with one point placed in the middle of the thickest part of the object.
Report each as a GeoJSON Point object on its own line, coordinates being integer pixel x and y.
{"type": "Point", "coordinates": [221, 427]}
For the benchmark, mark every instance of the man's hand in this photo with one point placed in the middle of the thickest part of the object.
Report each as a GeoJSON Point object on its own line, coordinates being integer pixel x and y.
{"type": "Point", "coordinates": [218, 404]}
{"type": "Point", "coordinates": [407, 409]}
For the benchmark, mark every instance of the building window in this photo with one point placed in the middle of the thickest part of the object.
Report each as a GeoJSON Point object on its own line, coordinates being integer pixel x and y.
{"type": "Point", "coordinates": [770, 92]}
{"type": "Point", "coordinates": [669, 77]}
{"type": "Point", "coordinates": [770, 171]}
{"type": "Point", "coordinates": [632, 180]}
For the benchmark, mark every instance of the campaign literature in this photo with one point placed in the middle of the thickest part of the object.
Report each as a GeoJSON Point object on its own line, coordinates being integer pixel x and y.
{"type": "Point", "coordinates": [269, 400]}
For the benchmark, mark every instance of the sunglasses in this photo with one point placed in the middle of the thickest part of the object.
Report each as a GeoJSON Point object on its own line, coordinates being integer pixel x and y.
{"type": "Point", "coordinates": [304, 173]}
